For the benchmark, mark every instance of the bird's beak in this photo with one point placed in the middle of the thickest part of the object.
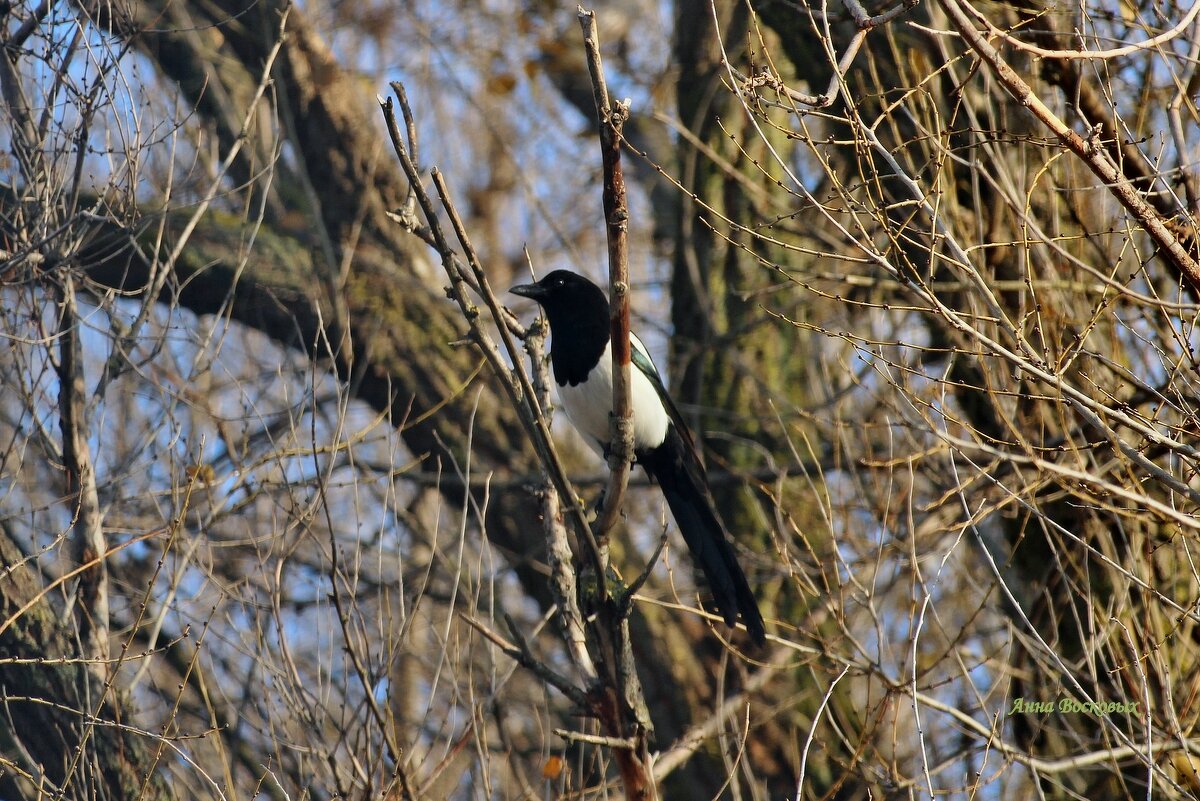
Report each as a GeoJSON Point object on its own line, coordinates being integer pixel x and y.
{"type": "Point", "coordinates": [531, 291]}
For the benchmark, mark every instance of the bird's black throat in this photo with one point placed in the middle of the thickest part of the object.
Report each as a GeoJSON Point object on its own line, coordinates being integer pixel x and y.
{"type": "Point", "coordinates": [579, 332]}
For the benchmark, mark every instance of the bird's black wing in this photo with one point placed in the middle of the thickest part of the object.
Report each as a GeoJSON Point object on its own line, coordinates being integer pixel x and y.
{"type": "Point", "coordinates": [641, 360]}
{"type": "Point", "coordinates": [676, 465]}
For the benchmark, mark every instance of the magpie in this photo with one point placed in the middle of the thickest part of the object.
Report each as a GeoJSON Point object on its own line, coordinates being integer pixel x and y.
{"type": "Point", "coordinates": [581, 359]}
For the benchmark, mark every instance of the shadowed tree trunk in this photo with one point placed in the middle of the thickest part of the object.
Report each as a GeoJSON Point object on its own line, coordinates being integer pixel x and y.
{"type": "Point", "coordinates": [63, 730]}
{"type": "Point", "coordinates": [741, 373]}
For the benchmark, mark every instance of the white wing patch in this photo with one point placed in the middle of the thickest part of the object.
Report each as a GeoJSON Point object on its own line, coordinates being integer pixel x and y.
{"type": "Point", "coordinates": [589, 403]}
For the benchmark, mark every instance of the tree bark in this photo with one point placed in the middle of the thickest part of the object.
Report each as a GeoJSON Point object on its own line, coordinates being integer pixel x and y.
{"type": "Point", "coordinates": [47, 728]}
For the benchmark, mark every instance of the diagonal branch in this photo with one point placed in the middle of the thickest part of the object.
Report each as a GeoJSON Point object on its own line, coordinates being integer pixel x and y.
{"type": "Point", "coordinates": [1089, 150]}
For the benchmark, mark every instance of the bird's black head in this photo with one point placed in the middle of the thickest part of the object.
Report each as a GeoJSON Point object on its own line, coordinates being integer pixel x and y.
{"type": "Point", "coordinates": [564, 291]}
{"type": "Point", "coordinates": [578, 313]}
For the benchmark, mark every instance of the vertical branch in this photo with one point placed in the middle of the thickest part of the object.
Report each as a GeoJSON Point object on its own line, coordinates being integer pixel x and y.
{"type": "Point", "coordinates": [87, 536]}
{"type": "Point", "coordinates": [626, 708]}
{"type": "Point", "coordinates": [563, 577]}
{"type": "Point", "coordinates": [616, 218]}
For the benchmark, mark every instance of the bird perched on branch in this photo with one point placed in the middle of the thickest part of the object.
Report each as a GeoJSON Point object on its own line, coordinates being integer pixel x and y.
{"type": "Point", "coordinates": [582, 362]}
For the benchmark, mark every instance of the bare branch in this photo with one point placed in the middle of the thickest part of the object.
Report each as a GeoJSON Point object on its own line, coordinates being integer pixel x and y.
{"type": "Point", "coordinates": [91, 597]}
{"type": "Point", "coordinates": [616, 217]}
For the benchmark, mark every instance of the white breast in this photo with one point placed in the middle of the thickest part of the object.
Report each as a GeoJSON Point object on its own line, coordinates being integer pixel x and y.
{"type": "Point", "coordinates": [589, 404]}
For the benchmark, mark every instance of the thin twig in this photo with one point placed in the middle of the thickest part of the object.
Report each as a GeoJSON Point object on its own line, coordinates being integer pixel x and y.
{"type": "Point", "coordinates": [523, 656]}
{"type": "Point", "coordinates": [1094, 55]}
{"type": "Point", "coordinates": [865, 23]}
{"type": "Point", "coordinates": [596, 739]}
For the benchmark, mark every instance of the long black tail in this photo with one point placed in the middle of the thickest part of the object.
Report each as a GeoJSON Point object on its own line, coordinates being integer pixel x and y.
{"type": "Point", "coordinates": [674, 466]}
